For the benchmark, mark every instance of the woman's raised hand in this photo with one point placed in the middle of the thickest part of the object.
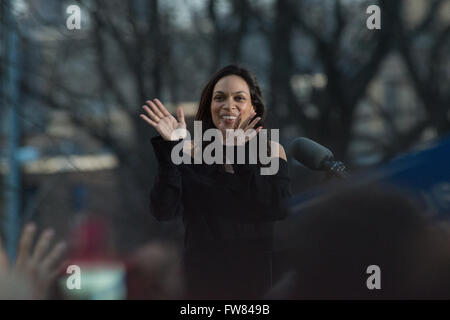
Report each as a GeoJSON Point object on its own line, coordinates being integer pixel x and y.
{"type": "Point", "coordinates": [243, 131]}
{"type": "Point", "coordinates": [167, 126]}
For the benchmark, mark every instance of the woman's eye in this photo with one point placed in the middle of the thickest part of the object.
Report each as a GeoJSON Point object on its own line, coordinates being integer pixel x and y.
{"type": "Point", "coordinates": [239, 98]}
{"type": "Point", "coordinates": [218, 98]}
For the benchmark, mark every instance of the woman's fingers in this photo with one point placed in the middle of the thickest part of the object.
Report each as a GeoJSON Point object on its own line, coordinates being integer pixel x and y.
{"type": "Point", "coordinates": [253, 123]}
{"type": "Point", "coordinates": [245, 123]}
{"type": "Point", "coordinates": [146, 119]}
{"type": "Point", "coordinates": [155, 109]}
{"type": "Point", "coordinates": [255, 132]}
{"type": "Point", "coordinates": [237, 121]}
{"type": "Point", "coordinates": [180, 114]}
{"type": "Point", "coordinates": [24, 245]}
{"type": "Point", "coordinates": [161, 107]}
{"type": "Point", "coordinates": [150, 112]}
{"type": "Point", "coordinates": [251, 133]}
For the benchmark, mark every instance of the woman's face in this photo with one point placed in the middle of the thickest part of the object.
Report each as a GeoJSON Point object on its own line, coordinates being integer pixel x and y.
{"type": "Point", "coordinates": [231, 98]}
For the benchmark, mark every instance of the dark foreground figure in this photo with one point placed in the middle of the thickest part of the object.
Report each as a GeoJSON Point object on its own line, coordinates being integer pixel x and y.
{"type": "Point", "coordinates": [337, 240]}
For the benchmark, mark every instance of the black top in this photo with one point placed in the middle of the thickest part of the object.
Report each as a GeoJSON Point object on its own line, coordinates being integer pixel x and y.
{"type": "Point", "coordinates": [228, 221]}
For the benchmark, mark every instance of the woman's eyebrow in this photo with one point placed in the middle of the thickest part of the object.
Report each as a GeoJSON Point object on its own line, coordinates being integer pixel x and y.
{"type": "Point", "coordinates": [221, 92]}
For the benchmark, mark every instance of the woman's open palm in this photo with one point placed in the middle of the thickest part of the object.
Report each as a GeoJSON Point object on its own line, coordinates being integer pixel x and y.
{"type": "Point", "coordinates": [167, 126]}
{"type": "Point", "coordinates": [242, 131]}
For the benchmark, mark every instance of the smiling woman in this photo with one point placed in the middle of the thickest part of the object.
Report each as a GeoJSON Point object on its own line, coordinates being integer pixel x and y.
{"type": "Point", "coordinates": [228, 210]}
{"type": "Point", "coordinates": [232, 93]}
{"type": "Point", "coordinates": [230, 90]}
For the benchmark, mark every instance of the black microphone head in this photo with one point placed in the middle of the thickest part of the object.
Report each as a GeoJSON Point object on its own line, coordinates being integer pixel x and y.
{"type": "Point", "coordinates": [310, 153]}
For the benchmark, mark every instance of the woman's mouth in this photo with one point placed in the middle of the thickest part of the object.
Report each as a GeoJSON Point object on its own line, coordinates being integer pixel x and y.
{"type": "Point", "coordinates": [229, 120]}
{"type": "Point", "coordinates": [229, 117]}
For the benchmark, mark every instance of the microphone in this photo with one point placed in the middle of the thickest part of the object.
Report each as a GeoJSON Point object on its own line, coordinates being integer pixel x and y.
{"type": "Point", "coordinates": [316, 157]}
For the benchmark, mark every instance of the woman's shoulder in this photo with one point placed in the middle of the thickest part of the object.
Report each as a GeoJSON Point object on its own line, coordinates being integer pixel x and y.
{"type": "Point", "coordinates": [277, 150]}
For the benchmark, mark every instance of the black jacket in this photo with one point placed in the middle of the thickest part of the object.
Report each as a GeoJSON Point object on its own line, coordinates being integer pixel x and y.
{"type": "Point", "coordinates": [228, 221]}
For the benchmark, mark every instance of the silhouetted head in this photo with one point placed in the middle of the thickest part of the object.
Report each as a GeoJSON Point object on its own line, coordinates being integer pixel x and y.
{"type": "Point", "coordinates": [338, 239]}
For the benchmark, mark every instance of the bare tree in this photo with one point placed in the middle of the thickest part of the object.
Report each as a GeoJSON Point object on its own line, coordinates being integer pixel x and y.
{"type": "Point", "coordinates": [134, 51]}
{"type": "Point", "coordinates": [427, 63]}
{"type": "Point", "coordinates": [130, 54]}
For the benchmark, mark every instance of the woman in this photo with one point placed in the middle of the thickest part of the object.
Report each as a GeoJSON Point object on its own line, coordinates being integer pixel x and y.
{"type": "Point", "coordinates": [228, 210]}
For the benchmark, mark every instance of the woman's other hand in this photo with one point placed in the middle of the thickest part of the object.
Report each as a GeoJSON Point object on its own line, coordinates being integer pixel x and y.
{"type": "Point", "coordinates": [167, 126]}
{"type": "Point", "coordinates": [242, 131]}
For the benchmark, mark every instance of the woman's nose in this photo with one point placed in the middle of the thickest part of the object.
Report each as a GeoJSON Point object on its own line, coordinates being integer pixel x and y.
{"type": "Point", "coordinates": [229, 104]}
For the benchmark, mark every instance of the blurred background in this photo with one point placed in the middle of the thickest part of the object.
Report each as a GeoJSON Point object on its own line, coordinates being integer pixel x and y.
{"type": "Point", "coordinates": [72, 143]}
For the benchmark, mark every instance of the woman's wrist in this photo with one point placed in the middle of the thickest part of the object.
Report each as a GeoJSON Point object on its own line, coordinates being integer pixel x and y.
{"type": "Point", "coordinates": [163, 150]}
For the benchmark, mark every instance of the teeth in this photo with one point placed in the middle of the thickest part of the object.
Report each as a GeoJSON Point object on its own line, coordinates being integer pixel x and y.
{"type": "Point", "coordinates": [229, 117]}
